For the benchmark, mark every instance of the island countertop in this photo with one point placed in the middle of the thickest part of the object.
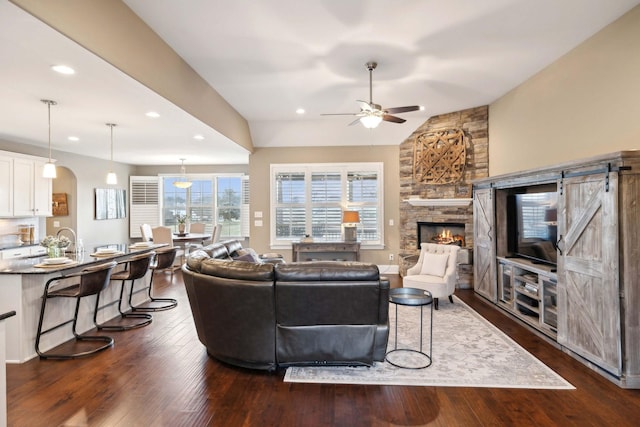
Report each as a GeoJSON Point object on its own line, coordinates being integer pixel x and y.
{"type": "Point", "coordinates": [23, 280]}
{"type": "Point", "coordinates": [92, 255]}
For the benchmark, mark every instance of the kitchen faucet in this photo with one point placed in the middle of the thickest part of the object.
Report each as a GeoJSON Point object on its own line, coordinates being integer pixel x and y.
{"type": "Point", "coordinates": [73, 233]}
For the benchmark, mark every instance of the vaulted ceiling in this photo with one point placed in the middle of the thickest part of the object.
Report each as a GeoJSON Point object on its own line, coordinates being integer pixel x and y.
{"type": "Point", "coordinates": [268, 59]}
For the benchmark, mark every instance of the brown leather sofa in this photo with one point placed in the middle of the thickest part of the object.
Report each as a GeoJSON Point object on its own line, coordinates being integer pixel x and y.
{"type": "Point", "coordinates": [265, 316]}
{"type": "Point", "coordinates": [232, 249]}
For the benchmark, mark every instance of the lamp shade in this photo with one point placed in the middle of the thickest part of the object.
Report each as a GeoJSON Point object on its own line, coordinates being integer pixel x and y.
{"type": "Point", "coordinates": [112, 178]}
{"type": "Point", "coordinates": [183, 182]}
{"type": "Point", "coordinates": [49, 170]}
{"type": "Point", "coordinates": [350, 217]}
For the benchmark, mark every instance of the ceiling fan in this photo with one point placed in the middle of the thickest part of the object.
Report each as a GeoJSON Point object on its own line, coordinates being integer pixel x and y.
{"type": "Point", "coordinates": [371, 115]}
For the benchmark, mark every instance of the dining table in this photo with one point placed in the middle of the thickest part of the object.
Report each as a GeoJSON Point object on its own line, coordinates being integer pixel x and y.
{"type": "Point", "coordinates": [188, 241]}
{"type": "Point", "coordinates": [191, 237]}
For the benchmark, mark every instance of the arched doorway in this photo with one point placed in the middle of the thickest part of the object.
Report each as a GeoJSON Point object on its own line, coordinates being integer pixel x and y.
{"type": "Point", "coordinates": [66, 184]}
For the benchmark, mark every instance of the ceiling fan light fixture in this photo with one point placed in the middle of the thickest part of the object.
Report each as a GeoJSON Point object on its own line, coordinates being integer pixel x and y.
{"type": "Point", "coordinates": [370, 121]}
{"type": "Point", "coordinates": [183, 182]}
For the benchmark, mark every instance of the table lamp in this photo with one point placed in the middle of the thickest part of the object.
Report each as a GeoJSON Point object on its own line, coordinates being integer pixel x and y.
{"type": "Point", "coordinates": [350, 220]}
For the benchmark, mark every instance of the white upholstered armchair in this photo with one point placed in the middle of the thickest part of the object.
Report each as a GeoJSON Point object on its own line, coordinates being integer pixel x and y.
{"type": "Point", "coordinates": [435, 271]}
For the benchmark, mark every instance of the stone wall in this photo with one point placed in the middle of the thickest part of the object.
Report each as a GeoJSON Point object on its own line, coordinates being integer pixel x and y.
{"type": "Point", "coordinates": [474, 122]}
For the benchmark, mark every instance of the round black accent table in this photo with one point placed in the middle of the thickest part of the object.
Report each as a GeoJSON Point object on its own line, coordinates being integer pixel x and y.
{"type": "Point", "coordinates": [417, 298]}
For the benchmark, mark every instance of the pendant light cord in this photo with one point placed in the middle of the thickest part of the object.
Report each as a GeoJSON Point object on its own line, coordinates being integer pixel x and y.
{"type": "Point", "coordinates": [111, 125]}
{"type": "Point", "coordinates": [49, 104]}
{"type": "Point", "coordinates": [49, 121]}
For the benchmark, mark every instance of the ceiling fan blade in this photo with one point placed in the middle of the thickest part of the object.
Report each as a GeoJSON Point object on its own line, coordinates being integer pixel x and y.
{"type": "Point", "coordinates": [394, 119]}
{"type": "Point", "coordinates": [406, 109]}
{"type": "Point", "coordinates": [339, 114]}
{"type": "Point", "coordinates": [355, 122]}
{"type": "Point", "coordinates": [365, 106]}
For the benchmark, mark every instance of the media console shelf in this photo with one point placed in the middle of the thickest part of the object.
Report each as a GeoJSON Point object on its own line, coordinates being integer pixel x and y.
{"type": "Point", "coordinates": [529, 291]}
{"type": "Point", "coordinates": [583, 217]}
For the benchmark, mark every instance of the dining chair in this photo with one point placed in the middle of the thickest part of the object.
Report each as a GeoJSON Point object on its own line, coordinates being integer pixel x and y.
{"type": "Point", "coordinates": [217, 230]}
{"type": "Point", "coordinates": [197, 228]}
{"type": "Point", "coordinates": [164, 235]}
{"type": "Point", "coordinates": [145, 232]}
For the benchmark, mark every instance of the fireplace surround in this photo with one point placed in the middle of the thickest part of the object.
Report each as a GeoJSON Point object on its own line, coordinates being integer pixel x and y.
{"type": "Point", "coordinates": [444, 233]}
{"type": "Point", "coordinates": [443, 203]}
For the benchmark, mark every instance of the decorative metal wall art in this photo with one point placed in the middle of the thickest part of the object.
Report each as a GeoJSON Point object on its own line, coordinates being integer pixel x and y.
{"type": "Point", "coordinates": [439, 157]}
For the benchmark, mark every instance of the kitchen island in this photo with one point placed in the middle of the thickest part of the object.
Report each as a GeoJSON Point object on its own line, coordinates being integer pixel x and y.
{"type": "Point", "coordinates": [22, 283]}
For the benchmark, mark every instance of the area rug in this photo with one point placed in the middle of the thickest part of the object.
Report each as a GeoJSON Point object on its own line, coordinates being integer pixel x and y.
{"type": "Point", "coordinates": [468, 351]}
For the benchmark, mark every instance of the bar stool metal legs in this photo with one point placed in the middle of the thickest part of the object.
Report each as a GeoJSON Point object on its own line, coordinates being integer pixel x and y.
{"type": "Point", "coordinates": [88, 282]}
{"type": "Point", "coordinates": [163, 261]}
{"type": "Point", "coordinates": [137, 267]}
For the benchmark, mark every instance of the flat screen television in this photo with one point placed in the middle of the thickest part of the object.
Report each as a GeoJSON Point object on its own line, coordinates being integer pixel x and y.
{"type": "Point", "coordinates": [532, 230]}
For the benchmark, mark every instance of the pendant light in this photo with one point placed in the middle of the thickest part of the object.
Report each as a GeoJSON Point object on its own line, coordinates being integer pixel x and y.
{"type": "Point", "coordinates": [183, 182]}
{"type": "Point", "coordinates": [112, 179]}
{"type": "Point", "coordinates": [49, 170]}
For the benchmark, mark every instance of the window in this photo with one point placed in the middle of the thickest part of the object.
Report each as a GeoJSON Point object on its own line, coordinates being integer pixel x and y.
{"type": "Point", "coordinates": [308, 199]}
{"type": "Point", "coordinates": [229, 206]}
{"type": "Point", "coordinates": [226, 196]}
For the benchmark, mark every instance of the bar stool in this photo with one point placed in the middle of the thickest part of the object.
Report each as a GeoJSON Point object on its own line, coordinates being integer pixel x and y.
{"type": "Point", "coordinates": [89, 281]}
{"type": "Point", "coordinates": [164, 259]}
{"type": "Point", "coordinates": [137, 267]}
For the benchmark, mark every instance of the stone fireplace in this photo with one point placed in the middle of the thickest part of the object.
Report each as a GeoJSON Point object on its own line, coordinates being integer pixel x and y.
{"type": "Point", "coordinates": [443, 212]}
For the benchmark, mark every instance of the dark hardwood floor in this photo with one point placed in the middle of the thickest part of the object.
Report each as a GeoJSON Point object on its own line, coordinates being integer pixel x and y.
{"type": "Point", "coordinates": [160, 375]}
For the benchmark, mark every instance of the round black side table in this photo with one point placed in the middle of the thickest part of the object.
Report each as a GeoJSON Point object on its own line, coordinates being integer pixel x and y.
{"type": "Point", "coordinates": [417, 298]}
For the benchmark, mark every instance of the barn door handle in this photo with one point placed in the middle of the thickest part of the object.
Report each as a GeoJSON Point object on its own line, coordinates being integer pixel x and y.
{"type": "Point", "coordinates": [558, 245]}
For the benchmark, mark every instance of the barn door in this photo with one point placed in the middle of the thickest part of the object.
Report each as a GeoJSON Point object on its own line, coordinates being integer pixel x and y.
{"type": "Point", "coordinates": [484, 247]}
{"type": "Point", "coordinates": [588, 276]}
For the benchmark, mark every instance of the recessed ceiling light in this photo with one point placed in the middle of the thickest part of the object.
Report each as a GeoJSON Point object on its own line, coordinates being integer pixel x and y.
{"type": "Point", "coordinates": [63, 69]}
{"type": "Point", "coordinates": [300, 111]}
{"type": "Point", "coordinates": [422, 108]}
{"type": "Point", "coordinates": [73, 138]}
{"type": "Point", "coordinates": [153, 114]}
{"type": "Point", "coordinates": [198, 137]}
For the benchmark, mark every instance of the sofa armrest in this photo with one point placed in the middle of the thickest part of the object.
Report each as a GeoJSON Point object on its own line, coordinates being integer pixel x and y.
{"type": "Point", "coordinates": [383, 307]}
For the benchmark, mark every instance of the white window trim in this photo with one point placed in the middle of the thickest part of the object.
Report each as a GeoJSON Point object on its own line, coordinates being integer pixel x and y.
{"type": "Point", "coordinates": [343, 169]}
{"type": "Point", "coordinates": [244, 210]}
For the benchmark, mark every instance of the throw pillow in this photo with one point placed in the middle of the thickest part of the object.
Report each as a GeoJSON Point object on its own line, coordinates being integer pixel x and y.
{"type": "Point", "coordinates": [247, 254]}
{"type": "Point", "coordinates": [245, 257]}
{"type": "Point", "coordinates": [434, 264]}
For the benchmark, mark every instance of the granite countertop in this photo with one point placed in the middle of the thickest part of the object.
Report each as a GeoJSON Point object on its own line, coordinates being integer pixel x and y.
{"type": "Point", "coordinates": [93, 255]}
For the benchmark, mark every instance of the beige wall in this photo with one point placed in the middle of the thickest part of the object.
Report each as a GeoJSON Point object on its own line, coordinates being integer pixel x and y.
{"type": "Point", "coordinates": [586, 103]}
{"type": "Point", "coordinates": [262, 158]}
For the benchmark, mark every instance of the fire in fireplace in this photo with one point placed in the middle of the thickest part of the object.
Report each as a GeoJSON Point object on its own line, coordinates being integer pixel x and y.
{"type": "Point", "coordinates": [444, 233]}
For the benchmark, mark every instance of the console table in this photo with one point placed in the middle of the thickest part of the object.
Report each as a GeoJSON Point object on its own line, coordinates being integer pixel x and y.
{"type": "Point", "coordinates": [326, 251]}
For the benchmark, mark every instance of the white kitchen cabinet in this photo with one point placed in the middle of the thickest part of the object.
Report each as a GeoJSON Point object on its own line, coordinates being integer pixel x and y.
{"type": "Point", "coordinates": [23, 191]}
{"type": "Point", "coordinates": [6, 185]}
{"type": "Point", "coordinates": [42, 189]}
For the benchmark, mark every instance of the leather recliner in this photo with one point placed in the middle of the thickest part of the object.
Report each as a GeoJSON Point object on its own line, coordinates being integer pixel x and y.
{"type": "Point", "coordinates": [264, 316]}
